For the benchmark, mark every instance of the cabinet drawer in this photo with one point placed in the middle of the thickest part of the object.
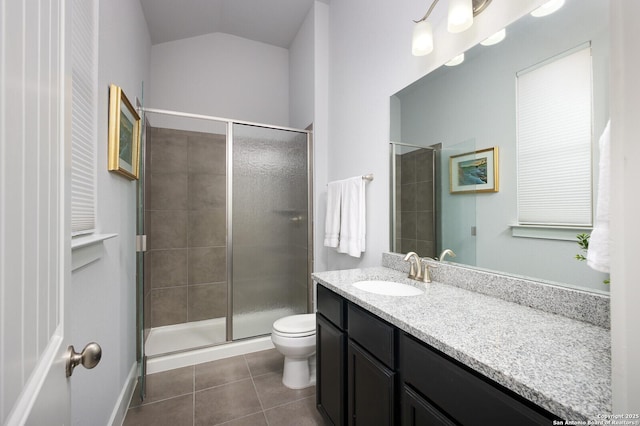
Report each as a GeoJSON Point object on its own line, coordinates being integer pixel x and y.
{"type": "Point", "coordinates": [331, 306]}
{"type": "Point", "coordinates": [466, 397]}
{"type": "Point", "coordinates": [372, 333]}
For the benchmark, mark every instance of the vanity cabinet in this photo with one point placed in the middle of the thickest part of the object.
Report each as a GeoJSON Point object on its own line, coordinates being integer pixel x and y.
{"type": "Point", "coordinates": [371, 369]}
{"type": "Point", "coordinates": [371, 373]}
{"type": "Point", "coordinates": [416, 411]}
{"type": "Point", "coordinates": [330, 370]}
{"type": "Point", "coordinates": [355, 354]}
{"type": "Point", "coordinates": [432, 379]}
{"type": "Point", "coordinates": [331, 348]}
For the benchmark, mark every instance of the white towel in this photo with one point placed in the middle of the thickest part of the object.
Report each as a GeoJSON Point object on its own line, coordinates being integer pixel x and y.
{"type": "Point", "coordinates": [332, 221]}
{"type": "Point", "coordinates": [598, 253]}
{"type": "Point", "coordinates": [352, 217]}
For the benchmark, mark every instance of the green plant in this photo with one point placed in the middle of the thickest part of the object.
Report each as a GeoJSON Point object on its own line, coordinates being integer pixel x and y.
{"type": "Point", "coordinates": [583, 242]}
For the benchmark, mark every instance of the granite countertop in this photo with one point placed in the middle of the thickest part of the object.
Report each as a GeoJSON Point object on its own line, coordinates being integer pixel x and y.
{"type": "Point", "coordinates": [561, 364]}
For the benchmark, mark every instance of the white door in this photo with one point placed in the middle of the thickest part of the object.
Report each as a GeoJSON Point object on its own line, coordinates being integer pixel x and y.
{"type": "Point", "coordinates": [34, 221]}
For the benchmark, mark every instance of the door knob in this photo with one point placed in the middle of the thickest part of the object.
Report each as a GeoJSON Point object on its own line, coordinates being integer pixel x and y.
{"type": "Point", "coordinates": [89, 357]}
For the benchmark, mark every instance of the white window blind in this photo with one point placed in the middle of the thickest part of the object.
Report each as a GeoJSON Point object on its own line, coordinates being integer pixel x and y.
{"type": "Point", "coordinates": [84, 66]}
{"type": "Point", "coordinates": [554, 104]}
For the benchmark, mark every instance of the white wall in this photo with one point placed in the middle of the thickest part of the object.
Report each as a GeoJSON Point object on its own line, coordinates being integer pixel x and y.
{"type": "Point", "coordinates": [321, 130]}
{"type": "Point", "coordinates": [370, 59]}
{"type": "Point", "coordinates": [301, 74]}
{"type": "Point", "coordinates": [308, 103]}
{"type": "Point", "coordinates": [103, 293]}
{"type": "Point", "coordinates": [625, 206]}
{"type": "Point", "coordinates": [221, 75]}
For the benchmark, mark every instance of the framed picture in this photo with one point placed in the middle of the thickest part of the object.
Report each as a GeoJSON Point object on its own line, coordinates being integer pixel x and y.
{"type": "Point", "coordinates": [124, 135]}
{"type": "Point", "coordinates": [474, 171]}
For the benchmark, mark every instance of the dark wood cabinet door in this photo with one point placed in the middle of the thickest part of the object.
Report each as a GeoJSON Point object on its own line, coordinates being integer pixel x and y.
{"type": "Point", "coordinates": [418, 412]}
{"type": "Point", "coordinates": [330, 373]}
{"type": "Point", "coordinates": [370, 389]}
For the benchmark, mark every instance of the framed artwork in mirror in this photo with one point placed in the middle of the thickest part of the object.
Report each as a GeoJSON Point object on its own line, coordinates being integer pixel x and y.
{"type": "Point", "coordinates": [474, 172]}
{"type": "Point", "coordinates": [124, 135]}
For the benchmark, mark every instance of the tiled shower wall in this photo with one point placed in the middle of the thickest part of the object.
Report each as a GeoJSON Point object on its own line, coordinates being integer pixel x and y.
{"type": "Point", "coordinates": [185, 213]}
{"type": "Point", "coordinates": [415, 210]}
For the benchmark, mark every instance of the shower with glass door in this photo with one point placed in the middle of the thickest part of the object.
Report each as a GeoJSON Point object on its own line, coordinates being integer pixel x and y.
{"type": "Point", "coordinates": [226, 209]}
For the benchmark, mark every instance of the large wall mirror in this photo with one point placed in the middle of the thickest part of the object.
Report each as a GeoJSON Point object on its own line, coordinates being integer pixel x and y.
{"type": "Point", "coordinates": [471, 107]}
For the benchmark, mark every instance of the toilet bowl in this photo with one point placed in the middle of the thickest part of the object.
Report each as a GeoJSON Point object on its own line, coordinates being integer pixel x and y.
{"type": "Point", "coordinates": [295, 338]}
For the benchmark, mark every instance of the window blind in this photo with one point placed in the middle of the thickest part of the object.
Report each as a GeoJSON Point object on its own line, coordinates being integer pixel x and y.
{"type": "Point", "coordinates": [84, 79]}
{"type": "Point", "coordinates": [554, 104]}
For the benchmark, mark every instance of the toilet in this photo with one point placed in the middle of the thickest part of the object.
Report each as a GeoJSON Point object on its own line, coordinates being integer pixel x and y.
{"type": "Point", "coordinates": [295, 338]}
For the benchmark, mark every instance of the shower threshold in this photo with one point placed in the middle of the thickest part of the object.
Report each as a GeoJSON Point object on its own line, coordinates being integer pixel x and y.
{"type": "Point", "coordinates": [186, 336]}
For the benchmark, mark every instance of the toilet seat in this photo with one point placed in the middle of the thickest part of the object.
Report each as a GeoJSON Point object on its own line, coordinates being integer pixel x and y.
{"type": "Point", "coordinates": [296, 325]}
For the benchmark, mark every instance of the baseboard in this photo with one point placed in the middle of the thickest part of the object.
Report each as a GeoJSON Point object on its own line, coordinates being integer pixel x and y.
{"type": "Point", "coordinates": [122, 404]}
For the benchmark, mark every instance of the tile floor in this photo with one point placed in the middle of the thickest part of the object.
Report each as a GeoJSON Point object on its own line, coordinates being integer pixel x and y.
{"type": "Point", "coordinates": [242, 390]}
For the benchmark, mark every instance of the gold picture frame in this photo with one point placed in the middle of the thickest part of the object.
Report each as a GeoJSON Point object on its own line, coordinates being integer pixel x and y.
{"type": "Point", "coordinates": [474, 172]}
{"type": "Point", "coordinates": [124, 135]}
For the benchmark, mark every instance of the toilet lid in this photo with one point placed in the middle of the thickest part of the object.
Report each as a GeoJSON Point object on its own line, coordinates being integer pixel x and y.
{"type": "Point", "coordinates": [299, 325]}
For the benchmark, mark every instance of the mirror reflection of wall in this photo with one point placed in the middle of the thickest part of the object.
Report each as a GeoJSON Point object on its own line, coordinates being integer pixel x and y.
{"type": "Point", "coordinates": [476, 101]}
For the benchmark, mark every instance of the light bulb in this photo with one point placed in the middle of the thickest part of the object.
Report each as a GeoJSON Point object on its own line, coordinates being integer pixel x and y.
{"type": "Point", "coordinates": [422, 43]}
{"type": "Point", "coordinates": [460, 15]}
{"type": "Point", "coordinates": [457, 60]}
{"type": "Point", "coordinates": [548, 8]}
{"type": "Point", "coordinates": [495, 39]}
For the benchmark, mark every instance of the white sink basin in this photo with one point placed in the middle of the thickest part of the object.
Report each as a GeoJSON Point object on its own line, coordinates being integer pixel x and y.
{"type": "Point", "coordinates": [388, 288]}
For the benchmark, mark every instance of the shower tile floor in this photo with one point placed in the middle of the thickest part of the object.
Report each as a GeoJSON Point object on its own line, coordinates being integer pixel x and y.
{"type": "Point", "coordinates": [241, 390]}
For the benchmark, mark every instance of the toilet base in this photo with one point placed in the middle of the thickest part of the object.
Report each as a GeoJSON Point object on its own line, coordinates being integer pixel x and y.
{"type": "Point", "coordinates": [299, 373]}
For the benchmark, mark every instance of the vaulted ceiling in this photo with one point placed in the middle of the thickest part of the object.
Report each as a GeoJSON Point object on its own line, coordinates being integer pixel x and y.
{"type": "Point", "coordinates": [274, 22]}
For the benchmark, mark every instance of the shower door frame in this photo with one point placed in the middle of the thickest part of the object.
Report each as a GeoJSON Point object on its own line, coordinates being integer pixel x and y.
{"type": "Point", "coordinates": [229, 194]}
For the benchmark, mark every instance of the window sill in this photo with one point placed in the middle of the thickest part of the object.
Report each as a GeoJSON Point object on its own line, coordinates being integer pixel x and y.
{"type": "Point", "coordinates": [564, 233]}
{"type": "Point", "coordinates": [87, 248]}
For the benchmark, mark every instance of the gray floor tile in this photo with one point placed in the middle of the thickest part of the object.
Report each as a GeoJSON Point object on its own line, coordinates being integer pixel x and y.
{"type": "Point", "coordinates": [263, 362]}
{"type": "Point", "coordinates": [252, 420]}
{"type": "Point", "coordinates": [169, 384]}
{"type": "Point", "coordinates": [238, 391]}
{"type": "Point", "coordinates": [272, 392]}
{"type": "Point", "coordinates": [171, 412]}
{"type": "Point", "coordinates": [226, 402]}
{"type": "Point", "coordinates": [298, 413]}
{"type": "Point", "coordinates": [220, 372]}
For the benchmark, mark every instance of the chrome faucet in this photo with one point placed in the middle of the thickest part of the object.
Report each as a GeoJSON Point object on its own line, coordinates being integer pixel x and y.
{"type": "Point", "coordinates": [426, 275]}
{"type": "Point", "coordinates": [416, 268]}
{"type": "Point", "coordinates": [446, 252]}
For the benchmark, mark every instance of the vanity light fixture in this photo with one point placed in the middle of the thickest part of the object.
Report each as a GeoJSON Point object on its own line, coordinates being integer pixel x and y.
{"type": "Point", "coordinates": [548, 8]}
{"type": "Point", "coordinates": [457, 60]}
{"type": "Point", "coordinates": [495, 39]}
{"type": "Point", "coordinates": [460, 18]}
{"type": "Point", "coordinates": [422, 39]}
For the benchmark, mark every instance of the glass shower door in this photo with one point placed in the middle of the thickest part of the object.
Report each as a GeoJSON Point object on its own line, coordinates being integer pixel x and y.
{"type": "Point", "coordinates": [269, 252]}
